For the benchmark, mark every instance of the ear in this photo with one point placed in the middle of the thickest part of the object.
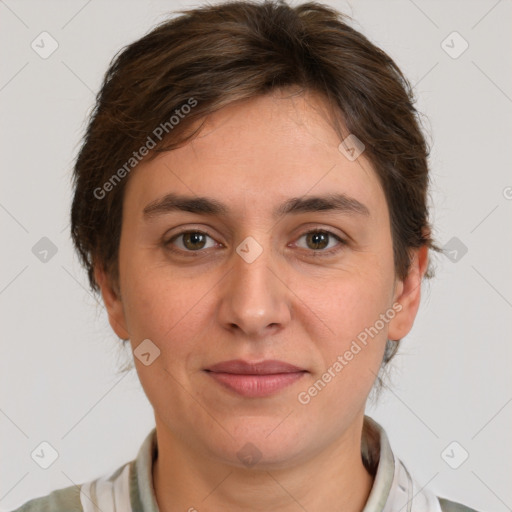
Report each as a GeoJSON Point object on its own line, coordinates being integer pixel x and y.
{"type": "Point", "coordinates": [408, 295]}
{"type": "Point", "coordinates": [112, 301]}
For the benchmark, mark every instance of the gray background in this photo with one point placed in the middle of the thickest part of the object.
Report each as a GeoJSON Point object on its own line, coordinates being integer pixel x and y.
{"type": "Point", "coordinates": [59, 358]}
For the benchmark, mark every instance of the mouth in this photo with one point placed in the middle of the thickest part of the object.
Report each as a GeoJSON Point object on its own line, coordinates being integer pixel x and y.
{"type": "Point", "coordinates": [254, 380]}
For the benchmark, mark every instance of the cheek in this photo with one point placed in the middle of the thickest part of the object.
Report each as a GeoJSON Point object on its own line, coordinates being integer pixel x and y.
{"type": "Point", "coordinates": [350, 357]}
{"type": "Point", "coordinates": [352, 310]}
{"type": "Point", "coordinates": [348, 301]}
{"type": "Point", "coordinates": [174, 315]}
{"type": "Point", "coordinates": [162, 307]}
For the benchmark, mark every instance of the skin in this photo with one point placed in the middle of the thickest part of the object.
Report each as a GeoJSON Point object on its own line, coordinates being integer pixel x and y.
{"type": "Point", "coordinates": [293, 303]}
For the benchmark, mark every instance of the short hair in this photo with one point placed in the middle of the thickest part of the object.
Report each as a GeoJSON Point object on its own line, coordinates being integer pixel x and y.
{"type": "Point", "coordinates": [194, 64]}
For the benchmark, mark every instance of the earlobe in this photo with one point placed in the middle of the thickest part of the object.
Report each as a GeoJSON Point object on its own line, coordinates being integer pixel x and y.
{"type": "Point", "coordinates": [408, 295]}
{"type": "Point", "coordinates": [113, 303]}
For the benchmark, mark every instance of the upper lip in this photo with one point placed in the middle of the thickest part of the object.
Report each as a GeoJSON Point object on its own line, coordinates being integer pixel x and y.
{"type": "Point", "coordinates": [241, 367]}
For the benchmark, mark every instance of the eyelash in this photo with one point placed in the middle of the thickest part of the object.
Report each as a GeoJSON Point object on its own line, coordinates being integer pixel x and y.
{"type": "Point", "coordinates": [319, 252]}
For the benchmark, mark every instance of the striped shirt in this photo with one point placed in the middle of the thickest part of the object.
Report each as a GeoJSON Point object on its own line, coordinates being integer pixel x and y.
{"type": "Point", "coordinates": [130, 487]}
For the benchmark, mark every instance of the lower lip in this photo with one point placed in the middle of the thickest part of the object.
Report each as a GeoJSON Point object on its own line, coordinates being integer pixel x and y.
{"type": "Point", "coordinates": [256, 385]}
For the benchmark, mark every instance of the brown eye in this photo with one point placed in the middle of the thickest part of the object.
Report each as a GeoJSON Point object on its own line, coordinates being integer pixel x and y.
{"type": "Point", "coordinates": [317, 240]}
{"type": "Point", "coordinates": [192, 241]}
{"type": "Point", "coordinates": [320, 240]}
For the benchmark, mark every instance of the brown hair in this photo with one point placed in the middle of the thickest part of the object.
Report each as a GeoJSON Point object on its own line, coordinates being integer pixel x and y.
{"type": "Point", "coordinates": [209, 57]}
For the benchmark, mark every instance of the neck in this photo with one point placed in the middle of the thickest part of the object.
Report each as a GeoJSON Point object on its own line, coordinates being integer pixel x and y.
{"type": "Point", "coordinates": [186, 480]}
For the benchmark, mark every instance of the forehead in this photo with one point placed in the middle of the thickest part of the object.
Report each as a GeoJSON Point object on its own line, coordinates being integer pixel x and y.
{"type": "Point", "coordinates": [257, 153]}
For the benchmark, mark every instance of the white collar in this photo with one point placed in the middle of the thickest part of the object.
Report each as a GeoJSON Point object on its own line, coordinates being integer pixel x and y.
{"type": "Point", "coordinates": [393, 488]}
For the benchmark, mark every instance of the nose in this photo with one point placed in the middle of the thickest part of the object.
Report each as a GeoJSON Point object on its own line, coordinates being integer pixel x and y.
{"type": "Point", "coordinates": [254, 300]}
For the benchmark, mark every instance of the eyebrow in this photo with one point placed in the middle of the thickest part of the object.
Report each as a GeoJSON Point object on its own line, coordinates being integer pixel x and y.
{"type": "Point", "coordinates": [208, 206]}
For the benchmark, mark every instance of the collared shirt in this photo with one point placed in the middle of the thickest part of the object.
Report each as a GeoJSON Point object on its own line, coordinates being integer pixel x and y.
{"type": "Point", "coordinates": [130, 487]}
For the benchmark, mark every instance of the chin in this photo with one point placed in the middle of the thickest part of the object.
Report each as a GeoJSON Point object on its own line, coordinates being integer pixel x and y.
{"type": "Point", "coordinates": [265, 444]}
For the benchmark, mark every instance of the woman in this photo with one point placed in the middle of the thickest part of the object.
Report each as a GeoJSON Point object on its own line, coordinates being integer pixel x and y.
{"type": "Point", "coordinates": [250, 200]}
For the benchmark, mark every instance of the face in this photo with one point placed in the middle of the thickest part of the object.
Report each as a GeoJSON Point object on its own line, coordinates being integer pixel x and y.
{"type": "Point", "coordinates": [259, 241]}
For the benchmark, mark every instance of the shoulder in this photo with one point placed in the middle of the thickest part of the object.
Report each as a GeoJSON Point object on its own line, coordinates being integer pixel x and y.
{"type": "Point", "coordinates": [452, 506]}
{"type": "Point", "coordinates": [61, 500]}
